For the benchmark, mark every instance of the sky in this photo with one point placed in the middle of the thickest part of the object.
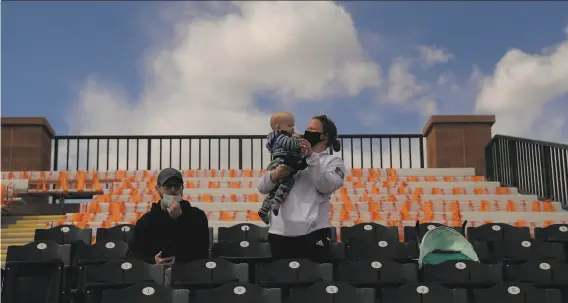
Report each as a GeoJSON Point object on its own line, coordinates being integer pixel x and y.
{"type": "Point", "coordinates": [136, 67]}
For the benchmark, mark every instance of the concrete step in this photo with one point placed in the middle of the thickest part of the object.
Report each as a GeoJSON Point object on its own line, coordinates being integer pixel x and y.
{"type": "Point", "coordinates": [9, 234]}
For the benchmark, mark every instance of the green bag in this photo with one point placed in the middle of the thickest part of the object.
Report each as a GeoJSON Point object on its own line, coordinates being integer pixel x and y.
{"type": "Point", "coordinates": [443, 244]}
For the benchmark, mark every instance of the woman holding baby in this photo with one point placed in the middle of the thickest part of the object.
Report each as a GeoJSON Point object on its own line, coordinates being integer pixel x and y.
{"type": "Point", "coordinates": [301, 228]}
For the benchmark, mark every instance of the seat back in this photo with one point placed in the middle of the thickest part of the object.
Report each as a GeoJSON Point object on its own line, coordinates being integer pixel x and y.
{"type": "Point", "coordinates": [243, 251]}
{"type": "Point", "coordinates": [424, 293]}
{"type": "Point", "coordinates": [238, 293]}
{"type": "Point", "coordinates": [552, 233]}
{"type": "Point", "coordinates": [37, 266]}
{"type": "Point", "coordinates": [332, 292]}
{"type": "Point", "coordinates": [369, 233]}
{"type": "Point", "coordinates": [463, 273]}
{"type": "Point", "coordinates": [292, 272]}
{"type": "Point", "coordinates": [243, 232]}
{"type": "Point", "coordinates": [146, 293]}
{"type": "Point", "coordinates": [208, 273]}
{"type": "Point", "coordinates": [513, 293]}
{"type": "Point", "coordinates": [121, 232]}
{"type": "Point", "coordinates": [374, 273]}
{"type": "Point", "coordinates": [64, 234]}
{"type": "Point", "coordinates": [102, 252]}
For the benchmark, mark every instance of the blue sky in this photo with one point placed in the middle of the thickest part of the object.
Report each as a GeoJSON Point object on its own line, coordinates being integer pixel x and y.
{"type": "Point", "coordinates": [56, 55]}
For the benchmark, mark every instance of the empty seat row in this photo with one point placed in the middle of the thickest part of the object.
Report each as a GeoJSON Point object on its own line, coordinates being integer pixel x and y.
{"type": "Point", "coordinates": [332, 292]}
{"type": "Point", "coordinates": [45, 272]}
{"type": "Point", "coordinates": [362, 232]}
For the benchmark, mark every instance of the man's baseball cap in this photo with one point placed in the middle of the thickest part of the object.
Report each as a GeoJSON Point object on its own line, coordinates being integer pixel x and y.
{"type": "Point", "coordinates": [168, 173]}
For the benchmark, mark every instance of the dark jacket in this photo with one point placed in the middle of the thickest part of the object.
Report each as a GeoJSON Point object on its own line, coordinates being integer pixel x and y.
{"type": "Point", "coordinates": [186, 238]}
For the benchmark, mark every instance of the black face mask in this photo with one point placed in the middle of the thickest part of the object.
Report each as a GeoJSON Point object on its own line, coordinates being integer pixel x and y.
{"type": "Point", "coordinates": [313, 137]}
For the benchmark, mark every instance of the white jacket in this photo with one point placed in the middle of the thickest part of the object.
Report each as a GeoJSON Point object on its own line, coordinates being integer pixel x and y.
{"type": "Point", "coordinates": [307, 207]}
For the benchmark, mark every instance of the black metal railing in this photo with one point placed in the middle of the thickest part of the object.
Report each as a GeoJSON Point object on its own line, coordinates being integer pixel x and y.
{"type": "Point", "coordinates": [534, 167]}
{"type": "Point", "coordinates": [216, 152]}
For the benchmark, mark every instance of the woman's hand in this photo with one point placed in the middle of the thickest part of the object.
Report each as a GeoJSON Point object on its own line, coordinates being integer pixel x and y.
{"type": "Point", "coordinates": [159, 260]}
{"type": "Point", "coordinates": [280, 172]}
{"type": "Point", "coordinates": [306, 147]}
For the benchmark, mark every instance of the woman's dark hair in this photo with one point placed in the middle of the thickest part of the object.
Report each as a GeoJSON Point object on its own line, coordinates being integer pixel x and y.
{"type": "Point", "coordinates": [330, 130]}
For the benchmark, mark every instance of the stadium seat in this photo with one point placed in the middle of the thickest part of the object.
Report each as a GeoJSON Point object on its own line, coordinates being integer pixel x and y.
{"type": "Point", "coordinates": [288, 273]}
{"type": "Point", "coordinates": [64, 234]}
{"type": "Point", "coordinates": [551, 274]}
{"type": "Point", "coordinates": [101, 252]}
{"type": "Point", "coordinates": [498, 232]}
{"type": "Point", "coordinates": [35, 272]}
{"type": "Point", "coordinates": [118, 274]}
{"type": "Point", "coordinates": [121, 232]}
{"type": "Point", "coordinates": [369, 233]}
{"type": "Point", "coordinates": [552, 233]}
{"type": "Point", "coordinates": [238, 293]}
{"type": "Point", "coordinates": [332, 292]}
{"type": "Point", "coordinates": [463, 274]}
{"type": "Point", "coordinates": [516, 293]}
{"type": "Point", "coordinates": [376, 274]}
{"type": "Point", "coordinates": [242, 251]}
{"type": "Point", "coordinates": [415, 233]}
{"type": "Point", "coordinates": [523, 251]}
{"type": "Point", "coordinates": [146, 293]}
{"type": "Point", "coordinates": [424, 293]}
{"type": "Point", "coordinates": [383, 250]}
{"type": "Point", "coordinates": [243, 232]}
{"type": "Point", "coordinates": [212, 273]}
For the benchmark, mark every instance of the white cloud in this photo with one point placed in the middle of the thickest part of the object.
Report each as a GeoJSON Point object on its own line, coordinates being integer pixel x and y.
{"type": "Point", "coordinates": [402, 84]}
{"type": "Point", "coordinates": [432, 55]}
{"type": "Point", "coordinates": [205, 80]}
{"type": "Point", "coordinates": [521, 87]}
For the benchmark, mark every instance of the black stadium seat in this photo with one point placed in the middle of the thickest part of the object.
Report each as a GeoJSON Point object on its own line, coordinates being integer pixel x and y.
{"type": "Point", "coordinates": [516, 293]}
{"type": "Point", "coordinates": [415, 233]}
{"type": "Point", "coordinates": [64, 234]}
{"type": "Point", "coordinates": [463, 274]}
{"type": "Point", "coordinates": [202, 274]}
{"type": "Point", "coordinates": [242, 251]}
{"type": "Point", "coordinates": [146, 293]}
{"type": "Point", "coordinates": [424, 293]}
{"type": "Point", "coordinates": [121, 232]}
{"type": "Point", "coordinates": [498, 232]}
{"type": "Point", "coordinates": [552, 233]}
{"type": "Point", "coordinates": [35, 272]}
{"type": "Point", "coordinates": [332, 292]}
{"type": "Point", "coordinates": [551, 274]}
{"type": "Point", "coordinates": [523, 251]}
{"type": "Point", "coordinates": [118, 275]}
{"type": "Point", "coordinates": [376, 274]}
{"type": "Point", "coordinates": [238, 293]}
{"type": "Point", "coordinates": [288, 273]}
{"type": "Point", "coordinates": [101, 252]}
{"type": "Point", "coordinates": [369, 233]}
{"type": "Point", "coordinates": [382, 250]}
{"type": "Point", "coordinates": [243, 232]}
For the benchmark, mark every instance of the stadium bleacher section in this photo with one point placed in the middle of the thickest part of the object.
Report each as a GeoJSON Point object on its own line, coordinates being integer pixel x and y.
{"type": "Point", "coordinates": [392, 199]}
{"type": "Point", "coordinates": [518, 231]}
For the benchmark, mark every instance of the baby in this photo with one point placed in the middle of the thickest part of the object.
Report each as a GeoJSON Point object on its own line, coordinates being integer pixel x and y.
{"type": "Point", "coordinates": [282, 142]}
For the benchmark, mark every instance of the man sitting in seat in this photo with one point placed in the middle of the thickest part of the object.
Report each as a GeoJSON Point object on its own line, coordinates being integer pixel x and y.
{"type": "Point", "coordinates": [172, 230]}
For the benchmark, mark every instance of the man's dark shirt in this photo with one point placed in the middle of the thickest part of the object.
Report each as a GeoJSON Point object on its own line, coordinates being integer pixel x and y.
{"type": "Point", "coordinates": [186, 238]}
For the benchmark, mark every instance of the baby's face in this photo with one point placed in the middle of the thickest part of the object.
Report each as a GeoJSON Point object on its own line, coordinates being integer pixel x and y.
{"type": "Point", "coordinates": [287, 126]}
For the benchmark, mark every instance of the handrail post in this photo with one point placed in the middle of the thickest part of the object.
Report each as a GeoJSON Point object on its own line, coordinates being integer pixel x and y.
{"type": "Point", "coordinates": [513, 161]}
{"type": "Point", "coordinates": [55, 153]}
{"type": "Point", "coordinates": [546, 162]}
{"type": "Point", "coordinates": [149, 160]}
{"type": "Point", "coordinates": [240, 153]}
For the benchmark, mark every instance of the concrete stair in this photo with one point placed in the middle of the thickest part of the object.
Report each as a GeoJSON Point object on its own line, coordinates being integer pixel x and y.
{"type": "Point", "coordinates": [21, 231]}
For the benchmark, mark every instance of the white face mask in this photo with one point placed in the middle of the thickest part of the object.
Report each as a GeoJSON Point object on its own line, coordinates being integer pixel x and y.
{"type": "Point", "coordinates": [168, 199]}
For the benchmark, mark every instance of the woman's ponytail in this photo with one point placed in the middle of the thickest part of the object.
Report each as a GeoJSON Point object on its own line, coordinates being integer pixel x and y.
{"type": "Point", "coordinates": [336, 145]}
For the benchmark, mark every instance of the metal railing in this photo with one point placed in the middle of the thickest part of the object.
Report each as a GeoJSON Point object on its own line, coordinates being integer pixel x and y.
{"type": "Point", "coordinates": [216, 152]}
{"type": "Point", "coordinates": [534, 167]}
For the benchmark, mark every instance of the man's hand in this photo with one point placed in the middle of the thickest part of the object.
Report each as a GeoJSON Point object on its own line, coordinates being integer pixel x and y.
{"type": "Point", "coordinates": [174, 210]}
{"type": "Point", "coordinates": [306, 147]}
{"type": "Point", "coordinates": [159, 260]}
